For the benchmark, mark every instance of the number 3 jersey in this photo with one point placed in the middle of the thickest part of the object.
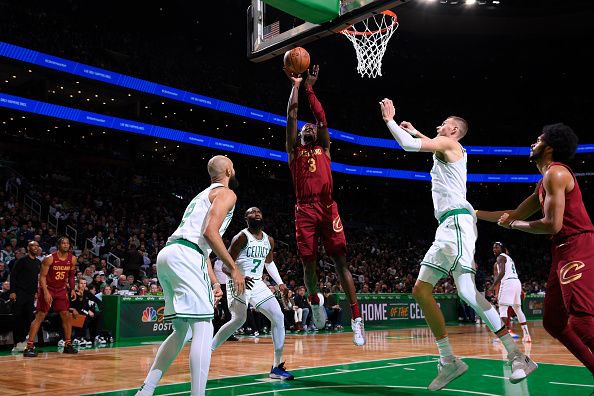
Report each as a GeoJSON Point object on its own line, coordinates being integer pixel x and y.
{"type": "Point", "coordinates": [60, 273]}
{"type": "Point", "coordinates": [251, 258]}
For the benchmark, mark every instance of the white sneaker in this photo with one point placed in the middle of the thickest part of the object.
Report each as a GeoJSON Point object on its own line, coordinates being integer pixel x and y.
{"type": "Point", "coordinates": [143, 392]}
{"type": "Point", "coordinates": [358, 332]}
{"type": "Point", "coordinates": [61, 343]}
{"type": "Point", "coordinates": [19, 347]}
{"type": "Point", "coordinates": [522, 367]}
{"type": "Point", "coordinates": [526, 338]}
{"type": "Point", "coordinates": [447, 373]}
{"type": "Point", "coordinates": [76, 341]}
{"type": "Point", "coordinates": [319, 315]}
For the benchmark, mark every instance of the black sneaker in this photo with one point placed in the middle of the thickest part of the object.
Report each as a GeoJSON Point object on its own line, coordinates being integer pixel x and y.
{"type": "Point", "coordinates": [30, 352]}
{"type": "Point", "coordinates": [68, 348]}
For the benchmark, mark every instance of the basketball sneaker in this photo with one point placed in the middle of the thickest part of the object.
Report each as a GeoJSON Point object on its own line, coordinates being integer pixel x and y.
{"type": "Point", "coordinates": [522, 367]}
{"type": "Point", "coordinates": [19, 347]}
{"type": "Point", "coordinates": [61, 343]}
{"type": "Point", "coordinates": [280, 373]}
{"type": "Point", "coordinates": [30, 352]}
{"type": "Point", "coordinates": [447, 373]}
{"type": "Point", "coordinates": [69, 349]}
{"type": "Point", "coordinates": [358, 331]}
{"type": "Point", "coordinates": [513, 335]}
{"type": "Point", "coordinates": [526, 338]}
{"type": "Point", "coordinates": [319, 315]}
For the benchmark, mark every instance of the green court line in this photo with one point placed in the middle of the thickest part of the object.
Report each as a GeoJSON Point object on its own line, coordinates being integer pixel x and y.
{"type": "Point", "coordinates": [401, 376]}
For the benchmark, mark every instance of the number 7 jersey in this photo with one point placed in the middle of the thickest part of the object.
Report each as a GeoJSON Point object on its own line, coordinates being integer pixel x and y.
{"type": "Point", "coordinates": [251, 258]}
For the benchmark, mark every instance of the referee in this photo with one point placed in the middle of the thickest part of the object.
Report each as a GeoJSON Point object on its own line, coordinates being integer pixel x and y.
{"type": "Point", "coordinates": [23, 285]}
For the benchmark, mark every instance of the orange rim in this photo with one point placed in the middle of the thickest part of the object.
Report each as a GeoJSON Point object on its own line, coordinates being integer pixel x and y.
{"type": "Point", "coordinates": [356, 33]}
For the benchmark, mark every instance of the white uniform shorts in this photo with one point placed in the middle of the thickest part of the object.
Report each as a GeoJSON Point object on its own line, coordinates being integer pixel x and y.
{"type": "Point", "coordinates": [258, 295]}
{"type": "Point", "coordinates": [183, 275]}
{"type": "Point", "coordinates": [452, 251]}
{"type": "Point", "coordinates": [510, 292]}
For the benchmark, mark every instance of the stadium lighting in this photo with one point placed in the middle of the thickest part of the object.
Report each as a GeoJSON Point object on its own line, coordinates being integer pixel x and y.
{"type": "Point", "coordinates": [470, 2]}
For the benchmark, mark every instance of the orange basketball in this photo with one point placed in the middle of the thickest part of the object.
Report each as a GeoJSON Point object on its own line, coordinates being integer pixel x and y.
{"type": "Point", "coordinates": [296, 60]}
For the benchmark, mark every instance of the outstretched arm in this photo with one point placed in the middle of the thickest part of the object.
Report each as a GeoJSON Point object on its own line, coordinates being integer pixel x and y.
{"type": "Point", "coordinates": [556, 180]}
{"type": "Point", "coordinates": [316, 107]}
{"type": "Point", "coordinates": [526, 209]}
{"type": "Point", "coordinates": [292, 108]}
{"type": "Point", "coordinates": [408, 142]}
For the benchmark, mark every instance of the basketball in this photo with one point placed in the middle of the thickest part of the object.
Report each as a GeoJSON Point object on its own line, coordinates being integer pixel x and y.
{"type": "Point", "coordinates": [296, 60]}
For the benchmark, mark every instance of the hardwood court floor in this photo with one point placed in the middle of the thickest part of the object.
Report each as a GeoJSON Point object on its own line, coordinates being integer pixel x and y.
{"type": "Point", "coordinates": [399, 362]}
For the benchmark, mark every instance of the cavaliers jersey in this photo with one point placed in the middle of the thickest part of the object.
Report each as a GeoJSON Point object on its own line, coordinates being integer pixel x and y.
{"type": "Point", "coordinates": [60, 272]}
{"type": "Point", "coordinates": [312, 174]}
{"type": "Point", "coordinates": [191, 226]}
{"type": "Point", "coordinates": [253, 255]}
{"type": "Point", "coordinates": [575, 217]}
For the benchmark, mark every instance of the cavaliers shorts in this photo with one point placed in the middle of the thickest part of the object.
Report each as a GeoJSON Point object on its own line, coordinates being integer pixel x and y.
{"type": "Point", "coordinates": [60, 301]}
{"type": "Point", "coordinates": [571, 278]}
{"type": "Point", "coordinates": [317, 219]}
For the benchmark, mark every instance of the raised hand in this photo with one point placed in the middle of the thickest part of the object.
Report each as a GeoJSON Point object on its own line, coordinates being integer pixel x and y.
{"type": "Point", "coordinates": [313, 76]}
{"type": "Point", "coordinates": [295, 78]}
{"type": "Point", "coordinates": [388, 110]}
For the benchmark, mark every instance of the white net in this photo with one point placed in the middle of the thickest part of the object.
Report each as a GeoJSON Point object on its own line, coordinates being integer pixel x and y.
{"type": "Point", "coordinates": [370, 40]}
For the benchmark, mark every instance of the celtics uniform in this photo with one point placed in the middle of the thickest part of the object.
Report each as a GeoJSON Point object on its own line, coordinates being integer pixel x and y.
{"type": "Point", "coordinates": [181, 264]}
{"type": "Point", "coordinates": [250, 262]}
{"type": "Point", "coordinates": [453, 248]}
{"type": "Point", "coordinates": [510, 291]}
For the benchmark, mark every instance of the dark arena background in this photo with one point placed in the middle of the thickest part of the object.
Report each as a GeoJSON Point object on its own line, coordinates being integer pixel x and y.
{"type": "Point", "coordinates": [110, 111]}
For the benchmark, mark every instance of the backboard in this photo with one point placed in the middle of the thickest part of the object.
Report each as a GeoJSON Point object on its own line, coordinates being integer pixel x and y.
{"type": "Point", "coordinates": [272, 32]}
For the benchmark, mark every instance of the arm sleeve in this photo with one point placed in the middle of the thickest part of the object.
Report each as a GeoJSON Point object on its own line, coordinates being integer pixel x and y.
{"type": "Point", "coordinates": [316, 107]}
{"type": "Point", "coordinates": [404, 139]}
{"type": "Point", "coordinates": [273, 272]}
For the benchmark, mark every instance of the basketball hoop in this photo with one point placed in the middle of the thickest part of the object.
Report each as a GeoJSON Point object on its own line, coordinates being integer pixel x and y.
{"type": "Point", "coordinates": [370, 41]}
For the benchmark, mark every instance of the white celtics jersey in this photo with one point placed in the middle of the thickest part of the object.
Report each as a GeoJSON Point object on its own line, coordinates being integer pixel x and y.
{"type": "Point", "coordinates": [252, 256]}
{"type": "Point", "coordinates": [510, 268]}
{"type": "Point", "coordinates": [448, 185]}
{"type": "Point", "coordinates": [191, 226]}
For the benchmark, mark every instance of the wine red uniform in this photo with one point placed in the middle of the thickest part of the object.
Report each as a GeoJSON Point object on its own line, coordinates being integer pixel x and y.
{"type": "Point", "coordinates": [316, 213]}
{"type": "Point", "coordinates": [59, 275]}
{"type": "Point", "coordinates": [571, 279]}
{"type": "Point", "coordinates": [569, 300]}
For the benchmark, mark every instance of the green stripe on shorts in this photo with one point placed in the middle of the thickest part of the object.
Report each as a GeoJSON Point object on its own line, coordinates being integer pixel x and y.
{"type": "Point", "coordinates": [435, 266]}
{"type": "Point", "coordinates": [263, 301]}
{"type": "Point", "coordinates": [458, 242]}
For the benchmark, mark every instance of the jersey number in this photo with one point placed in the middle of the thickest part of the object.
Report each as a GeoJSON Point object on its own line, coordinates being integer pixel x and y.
{"type": "Point", "coordinates": [60, 275]}
{"type": "Point", "coordinates": [257, 262]}
{"type": "Point", "coordinates": [189, 211]}
{"type": "Point", "coordinates": [513, 268]}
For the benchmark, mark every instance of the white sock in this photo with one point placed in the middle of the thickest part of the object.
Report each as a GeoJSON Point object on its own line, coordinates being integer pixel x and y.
{"type": "Point", "coordinates": [525, 330]}
{"type": "Point", "coordinates": [509, 344]}
{"type": "Point", "coordinates": [200, 355]}
{"type": "Point", "coordinates": [272, 310]}
{"type": "Point", "coordinates": [446, 354]}
{"type": "Point", "coordinates": [166, 354]}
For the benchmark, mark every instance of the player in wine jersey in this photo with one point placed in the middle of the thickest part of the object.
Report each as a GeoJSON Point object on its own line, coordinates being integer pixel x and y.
{"type": "Point", "coordinates": [56, 282]}
{"type": "Point", "coordinates": [452, 252]}
{"type": "Point", "coordinates": [510, 290]}
{"type": "Point", "coordinates": [188, 280]}
{"type": "Point", "coordinates": [252, 249]}
{"type": "Point", "coordinates": [316, 213]}
{"type": "Point", "coordinates": [569, 300]}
